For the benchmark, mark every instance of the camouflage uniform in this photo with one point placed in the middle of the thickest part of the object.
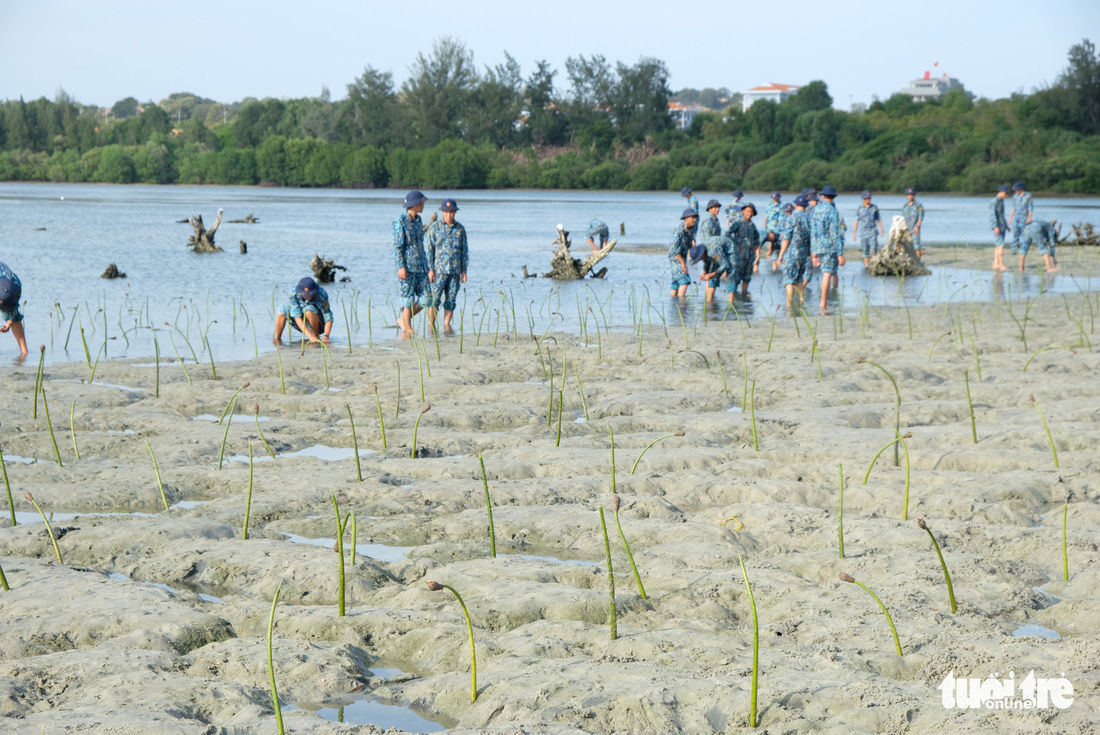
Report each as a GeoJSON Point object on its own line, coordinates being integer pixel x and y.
{"type": "Point", "coordinates": [449, 256]}
{"type": "Point", "coordinates": [732, 210]}
{"type": "Point", "coordinates": [717, 259]}
{"type": "Point", "coordinates": [13, 314]}
{"type": "Point", "coordinates": [914, 215]}
{"type": "Point", "coordinates": [746, 239]}
{"type": "Point", "coordinates": [296, 308]}
{"type": "Point", "coordinates": [710, 226]}
{"type": "Point", "coordinates": [868, 219]}
{"type": "Point", "coordinates": [797, 268]}
{"type": "Point", "coordinates": [1021, 210]}
{"type": "Point", "coordinates": [1040, 233]}
{"type": "Point", "coordinates": [997, 219]}
{"type": "Point", "coordinates": [679, 245]}
{"type": "Point", "coordinates": [597, 233]}
{"type": "Point", "coordinates": [408, 253]}
{"type": "Point", "coordinates": [826, 236]}
{"type": "Point", "coordinates": [773, 216]}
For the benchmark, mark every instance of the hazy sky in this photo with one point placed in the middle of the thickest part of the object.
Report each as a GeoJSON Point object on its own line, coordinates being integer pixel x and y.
{"type": "Point", "coordinates": [103, 51]}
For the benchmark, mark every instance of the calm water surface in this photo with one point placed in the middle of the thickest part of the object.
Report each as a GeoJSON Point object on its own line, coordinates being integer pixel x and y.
{"type": "Point", "coordinates": [60, 237]}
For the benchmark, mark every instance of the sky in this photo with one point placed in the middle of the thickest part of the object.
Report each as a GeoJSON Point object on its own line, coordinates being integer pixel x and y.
{"type": "Point", "coordinates": [227, 50]}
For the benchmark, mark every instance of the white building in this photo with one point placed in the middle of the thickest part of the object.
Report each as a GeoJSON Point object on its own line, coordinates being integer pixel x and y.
{"type": "Point", "coordinates": [929, 87]}
{"type": "Point", "coordinates": [682, 115]}
{"type": "Point", "coordinates": [771, 91]}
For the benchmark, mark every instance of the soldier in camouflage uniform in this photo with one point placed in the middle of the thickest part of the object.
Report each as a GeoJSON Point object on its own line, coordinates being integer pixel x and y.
{"type": "Point", "coordinates": [999, 225]}
{"type": "Point", "coordinates": [794, 255]}
{"type": "Point", "coordinates": [865, 232]}
{"type": "Point", "coordinates": [448, 258]}
{"type": "Point", "coordinates": [733, 209]}
{"type": "Point", "coordinates": [678, 248]}
{"type": "Point", "coordinates": [1042, 234]}
{"type": "Point", "coordinates": [772, 218]}
{"type": "Point", "coordinates": [827, 241]}
{"type": "Point", "coordinates": [716, 249]}
{"type": "Point", "coordinates": [1022, 209]}
{"type": "Point", "coordinates": [410, 261]}
{"type": "Point", "coordinates": [913, 212]}
{"type": "Point", "coordinates": [746, 246]}
{"type": "Point", "coordinates": [597, 230]}
{"type": "Point", "coordinates": [692, 202]}
{"type": "Point", "coordinates": [11, 318]}
{"type": "Point", "coordinates": [306, 310]}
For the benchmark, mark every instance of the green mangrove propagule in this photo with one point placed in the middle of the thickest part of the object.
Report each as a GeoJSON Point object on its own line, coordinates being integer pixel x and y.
{"type": "Point", "coordinates": [897, 644]}
{"type": "Point", "coordinates": [897, 394]}
{"type": "Point", "coordinates": [647, 446]}
{"type": "Point", "coordinates": [248, 499]}
{"type": "Point", "coordinates": [271, 666]}
{"type": "Point", "coordinates": [416, 426]}
{"type": "Point", "coordinates": [1035, 403]}
{"type": "Point", "coordinates": [610, 577]}
{"type": "Point", "coordinates": [256, 414]}
{"type": "Point", "coordinates": [49, 425]}
{"type": "Point", "coordinates": [970, 406]}
{"type": "Point", "coordinates": [232, 408]}
{"type": "Point", "coordinates": [752, 411]}
{"type": "Point", "coordinates": [7, 486]}
{"type": "Point", "coordinates": [840, 511]}
{"type": "Point", "coordinates": [615, 502]}
{"type": "Point", "coordinates": [355, 445]}
{"type": "Point", "coordinates": [946, 576]}
{"type": "Point", "coordinates": [231, 401]}
{"type": "Point", "coordinates": [755, 644]}
{"type": "Point", "coordinates": [489, 508]}
{"type": "Point", "coordinates": [3, 579]}
{"type": "Point", "coordinates": [49, 528]}
{"type": "Point", "coordinates": [72, 428]}
{"type": "Point", "coordinates": [38, 378]}
{"type": "Point", "coordinates": [160, 485]}
{"type": "Point", "coordinates": [340, 526]}
{"type": "Point", "coordinates": [381, 423]}
{"type": "Point", "coordinates": [436, 587]}
{"type": "Point", "coordinates": [1065, 555]}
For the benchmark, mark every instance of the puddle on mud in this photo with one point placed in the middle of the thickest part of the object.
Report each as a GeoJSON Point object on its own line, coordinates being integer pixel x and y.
{"type": "Point", "coordinates": [378, 552]}
{"type": "Point", "coordinates": [236, 417]}
{"type": "Point", "coordinates": [552, 559]}
{"type": "Point", "coordinates": [383, 714]}
{"type": "Point", "coordinates": [317, 451]}
{"type": "Point", "coordinates": [128, 388]}
{"type": "Point", "coordinates": [1037, 631]}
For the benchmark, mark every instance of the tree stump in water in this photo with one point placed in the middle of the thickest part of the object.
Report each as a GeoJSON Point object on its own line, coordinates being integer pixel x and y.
{"type": "Point", "coordinates": [202, 239]}
{"type": "Point", "coordinates": [564, 267]}
{"type": "Point", "coordinates": [249, 220]}
{"type": "Point", "coordinates": [897, 258]}
{"type": "Point", "coordinates": [324, 269]}
{"type": "Point", "coordinates": [113, 272]}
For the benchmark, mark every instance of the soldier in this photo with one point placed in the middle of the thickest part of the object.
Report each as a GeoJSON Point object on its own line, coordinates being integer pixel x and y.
{"type": "Point", "coordinates": [448, 257]}
{"type": "Point", "coordinates": [678, 248]}
{"type": "Point", "coordinates": [827, 241]}
{"type": "Point", "coordinates": [411, 263]}
{"type": "Point", "coordinates": [692, 202]}
{"type": "Point", "coordinates": [597, 230]}
{"type": "Point", "coordinates": [784, 223]}
{"type": "Point", "coordinates": [715, 254]}
{"type": "Point", "coordinates": [867, 216]}
{"type": "Point", "coordinates": [796, 250]}
{"type": "Point", "coordinates": [306, 310]}
{"type": "Point", "coordinates": [999, 225]}
{"type": "Point", "coordinates": [746, 246]}
{"type": "Point", "coordinates": [913, 212]}
{"type": "Point", "coordinates": [734, 208]}
{"type": "Point", "coordinates": [772, 218]}
{"type": "Point", "coordinates": [1042, 234]}
{"type": "Point", "coordinates": [11, 289]}
{"type": "Point", "coordinates": [1021, 214]}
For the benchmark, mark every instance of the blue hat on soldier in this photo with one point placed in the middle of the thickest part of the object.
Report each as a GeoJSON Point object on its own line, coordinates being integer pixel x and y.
{"type": "Point", "coordinates": [714, 203]}
{"type": "Point", "coordinates": [866, 194]}
{"type": "Point", "coordinates": [689, 212]}
{"type": "Point", "coordinates": [788, 207]}
{"type": "Point", "coordinates": [686, 191]}
{"type": "Point", "coordinates": [696, 253]}
{"type": "Point", "coordinates": [801, 201]}
{"type": "Point", "coordinates": [1019, 186]}
{"type": "Point", "coordinates": [828, 191]}
{"type": "Point", "coordinates": [448, 205]}
{"type": "Point", "coordinates": [749, 205]}
{"type": "Point", "coordinates": [9, 293]}
{"type": "Point", "coordinates": [413, 198]}
{"type": "Point", "coordinates": [776, 195]}
{"type": "Point", "coordinates": [811, 197]}
{"type": "Point", "coordinates": [306, 287]}
{"type": "Point", "coordinates": [737, 193]}
{"type": "Point", "coordinates": [1002, 187]}
{"type": "Point", "coordinates": [910, 190]}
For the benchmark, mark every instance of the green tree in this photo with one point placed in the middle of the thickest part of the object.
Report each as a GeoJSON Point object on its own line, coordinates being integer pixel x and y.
{"type": "Point", "coordinates": [641, 100]}
{"type": "Point", "coordinates": [439, 91]}
{"type": "Point", "coordinates": [371, 113]}
{"type": "Point", "coordinates": [115, 166]}
{"type": "Point", "coordinates": [1082, 79]}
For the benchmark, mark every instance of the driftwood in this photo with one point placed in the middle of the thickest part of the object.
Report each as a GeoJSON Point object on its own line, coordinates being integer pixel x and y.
{"type": "Point", "coordinates": [202, 239]}
{"type": "Point", "coordinates": [1085, 233]}
{"type": "Point", "coordinates": [244, 248]}
{"type": "Point", "coordinates": [897, 258]}
{"type": "Point", "coordinates": [324, 269]}
{"type": "Point", "coordinates": [564, 267]}
{"type": "Point", "coordinates": [249, 220]}
{"type": "Point", "coordinates": [113, 272]}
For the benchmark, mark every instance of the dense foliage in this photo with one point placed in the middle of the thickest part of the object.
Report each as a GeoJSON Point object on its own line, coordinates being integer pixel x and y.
{"type": "Point", "coordinates": [450, 125]}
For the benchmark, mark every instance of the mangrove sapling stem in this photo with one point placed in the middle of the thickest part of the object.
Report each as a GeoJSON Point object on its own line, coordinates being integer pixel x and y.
{"type": "Point", "coordinates": [91, 378]}
{"type": "Point", "coordinates": [271, 666]}
{"type": "Point", "coordinates": [1065, 556]}
{"type": "Point", "coordinates": [194, 356]}
{"type": "Point", "coordinates": [325, 359]}
{"type": "Point", "coordinates": [634, 567]}
{"type": "Point", "coordinates": [550, 395]}
{"type": "Point", "coordinates": [49, 425]}
{"type": "Point", "coordinates": [934, 343]}
{"type": "Point", "coordinates": [339, 548]}
{"type": "Point", "coordinates": [897, 394]}
{"type": "Point", "coordinates": [180, 359]}
{"type": "Point", "coordinates": [840, 511]}
{"type": "Point", "coordinates": [610, 576]}
{"type": "Point", "coordinates": [436, 587]}
{"type": "Point", "coordinates": [557, 442]}
{"type": "Point", "coordinates": [1035, 403]}
{"type": "Point", "coordinates": [248, 499]}
{"type": "Point", "coordinates": [755, 644]}
{"type": "Point", "coordinates": [231, 401]}
{"type": "Point", "coordinates": [897, 644]}
{"type": "Point", "coordinates": [647, 446]}
{"type": "Point", "coordinates": [70, 332]}
{"type": "Point", "coordinates": [397, 403]}
{"type": "Point", "coordinates": [905, 507]}
{"type": "Point", "coordinates": [225, 435]}
{"type": "Point", "coordinates": [38, 378]}
{"type": "Point", "coordinates": [355, 444]}
{"type": "Point", "coordinates": [156, 350]}
{"type": "Point", "coordinates": [210, 354]}
{"type": "Point", "coordinates": [87, 354]}
{"type": "Point", "coordinates": [354, 537]}
{"type": "Point", "coordinates": [7, 486]}
{"type": "Point", "coordinates": [256, 413]}
{"type": "Point", "coordinates": [49, 528]}
{"type": "Point", "coordinates": [752, 411]}
{"type": "Point", "coordinates": [877, 455]}
{"type": "Point", "coordinates": [745, 390]}
{"type": "Point", "coordinates": [722, 370]}
{"type": "Point", "coordinates": [72, 428]}
{"type": "Point", "coordinates": [156, 470]}
{"type": "Point", "coordinates": [3, 579]}
{"type": "Point", "coordinates": [416, 426]}
{"type": "Point", "coordinates": [489, 508]}
{"type": "Point", "coordinates": [347, 324]}
{"type": "Point", "coordinates": [580, 389]}
{"type": "Point", "coordinates": [611, 432]}
{"type": "Point", "coordinates": [946, 576]}
{"type": "Point", "coordinates": [1042, 349]}
{"type": "Point", "coordinates": [420, 369]}
{"type": "Point", "coordinates": [381, 424]}
{"type": "Point", "coordinates": [771, 334]}
{"type": "Point", "coordinates": [970, 405]}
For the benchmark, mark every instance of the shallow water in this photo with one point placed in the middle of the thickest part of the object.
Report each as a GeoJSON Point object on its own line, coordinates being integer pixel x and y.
{"type": "Point", "coordinates": [1030, 629]}
{"type": "Point", "coordinates": [231, 299]}
{"type": "Point", "coordinates": [381, 552]}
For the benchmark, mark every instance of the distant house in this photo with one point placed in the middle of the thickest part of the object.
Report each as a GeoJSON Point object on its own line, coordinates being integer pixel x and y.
{"type": "Point", "coordinates": [682, 115]}
{"type": "Point", "coordinates": [771, 91]}
{"type": "Point", "coordinates": [929, 87]}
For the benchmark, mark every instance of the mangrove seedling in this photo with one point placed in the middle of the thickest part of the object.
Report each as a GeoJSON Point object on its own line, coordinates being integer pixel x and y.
{"type": "Point", "coordinates": [647, 446]}
{"type": "Point", "coordinates": [248, 499]}
{"type": "Point", "coordinates": [840, 512]}
{"type": "Point", "coordinates": [72, 428]}
{"type": "Point", "coordinates": [49, 425]}
{"type": "Point", "coordinates": [231, 401]}
{"type": "Point", "coordinates": [752, 412]}
{"type": "Point", "coordinates": [38, 378]}
{"type": "Point", "coordinates": [340, 526]}
{"type": "Point", "coordinates": [610, 576]}
{"type": "Point", "coordinates": [489, 508]}
{"type": "Point", "coordinates": [897, 394]}
{"type": "Point", "coordinates": [436, 587]}
{"type": "Point", "coordinates": [615, 502]}
{"type": "Point", "coordinates": [256, 414]}
{"type": "Point", "coordinates": [354, 537]}
{"type": "Point", "coordinates": [611, 432]}
{"type": "Point", "coordinates": [1035, 403]}
{"type": "Point", "coordinates": [160, 485]}
{"type": "Point", "coordinates": [7, 486]}
{"type": "Point", "coordinates": [381, 424]}
{"type": "Point", "coordinates": [946, 576]}
{"type": "Point", "coordinates": [156, 350]}
{"type": "Point", "coordinates": [905, 506]}
{"type": "Point", "coordinates": [355, 445]}
{"type": "Point", "coordinates": [755, 644]}
{"type": "Point", "coordinates": [1065, 555]}
{"type": "Point", "coordinates": [282, 381]}
{"type": "Point", "coordinates": [49, 528]}
{"type": "Point", "coordinates": [897, 644]}
{"type": "Point", "coordinates": [416, 426]}
{"type": "Point", "coordinates": [580, 389]}
{"type": "Point", "coordinates": [3, 579]}
{"type": "Point", "coordinates": [271, 666]}
{"type": "Point", "coordinates": [232, 408]}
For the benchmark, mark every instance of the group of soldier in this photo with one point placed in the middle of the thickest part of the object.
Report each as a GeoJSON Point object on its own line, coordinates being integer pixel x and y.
{"type": "Point", "coordinates": [1026, 231]}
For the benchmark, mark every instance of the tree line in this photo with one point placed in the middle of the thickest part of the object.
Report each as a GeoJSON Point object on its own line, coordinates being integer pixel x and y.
{"type": "Point", "coordinates": [453, 125]}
